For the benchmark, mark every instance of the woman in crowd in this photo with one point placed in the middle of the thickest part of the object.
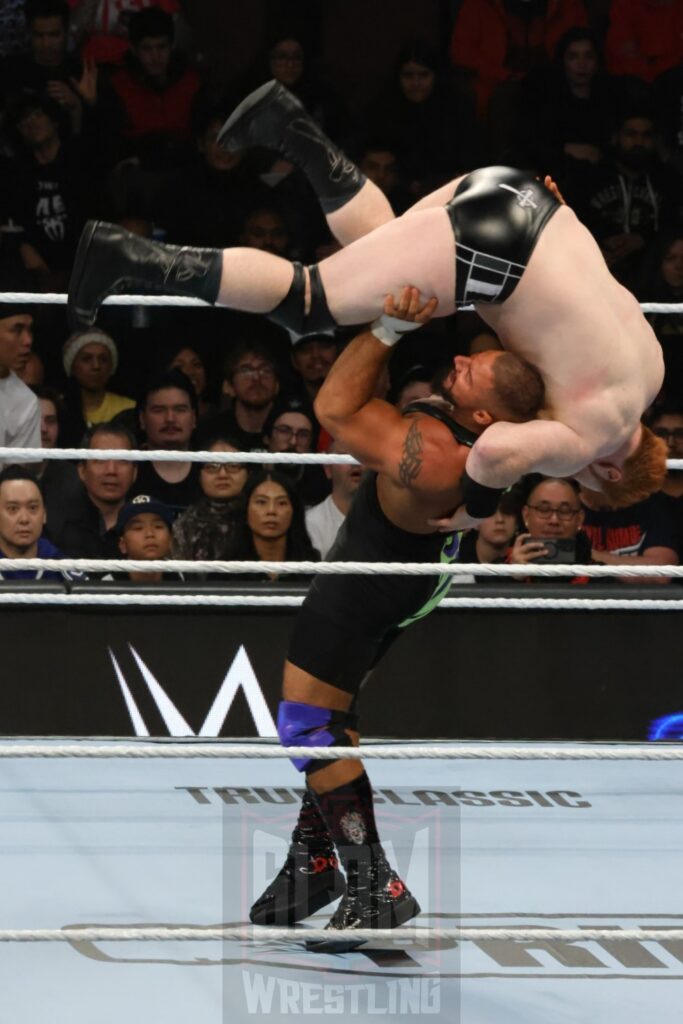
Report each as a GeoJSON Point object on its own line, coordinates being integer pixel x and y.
{"type": "Point", "coordinates": [273, 527]}
{"type": "Point", "coordinates": [188, 359]}
{"type": "Point", "coordinates": [567, 112]}
{"type": "Point", "coordinates": [432, 131]}
{"type": "Point", "coordinates": [208, 528]}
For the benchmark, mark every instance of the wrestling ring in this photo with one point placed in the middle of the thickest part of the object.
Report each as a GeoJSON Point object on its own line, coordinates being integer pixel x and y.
{"type": "Point", "coordinates": [547, 873]}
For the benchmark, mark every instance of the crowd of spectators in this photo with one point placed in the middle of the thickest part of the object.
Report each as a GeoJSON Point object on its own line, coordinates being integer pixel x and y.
{"type": "Point", "coordinates": [108, 109]}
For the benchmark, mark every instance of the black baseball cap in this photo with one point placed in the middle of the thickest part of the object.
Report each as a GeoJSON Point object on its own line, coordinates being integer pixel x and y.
{"type": "Point", "coordinates": [138, 506]}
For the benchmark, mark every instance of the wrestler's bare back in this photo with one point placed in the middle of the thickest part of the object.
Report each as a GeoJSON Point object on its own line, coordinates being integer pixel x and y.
{"type": "Point", "coordinates": [600, 360]}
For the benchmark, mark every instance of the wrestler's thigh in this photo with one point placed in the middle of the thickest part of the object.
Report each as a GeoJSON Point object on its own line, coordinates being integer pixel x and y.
{"type": "Point", "coordinates": [307, 689]}
{"type": "Point", "coordinates": [418, 250]}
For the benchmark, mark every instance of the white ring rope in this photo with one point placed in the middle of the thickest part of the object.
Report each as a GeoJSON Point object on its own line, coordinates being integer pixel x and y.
{"type": "Point", "coordinates": [444, 752]}
{"type": "Point", "coordinates": [60, 299]}
{"type": "Point", "coordinates": [159, 455]}
{"type": "Point", "coordinates": [332, 568]}
{"type": "Point", "coordinates": [291, 601]}
{"type": "Point", "coordinates": [399, 935]}
{"type": "Point", "coordinates": [137, 455]}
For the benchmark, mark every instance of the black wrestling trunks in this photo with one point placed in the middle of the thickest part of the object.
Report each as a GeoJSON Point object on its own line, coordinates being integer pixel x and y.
{"type": "Point", "coordinates": [497, 214]}
{"type": "Point", "coordinates": [346, 623]}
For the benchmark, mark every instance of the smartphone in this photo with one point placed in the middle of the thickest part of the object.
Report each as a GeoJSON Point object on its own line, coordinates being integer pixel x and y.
{"type": "Point", "coordinates": [559, 550]}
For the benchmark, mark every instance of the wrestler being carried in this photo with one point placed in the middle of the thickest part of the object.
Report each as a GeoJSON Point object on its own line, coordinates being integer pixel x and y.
{"type": "Point", "coordinates": [497, 238]}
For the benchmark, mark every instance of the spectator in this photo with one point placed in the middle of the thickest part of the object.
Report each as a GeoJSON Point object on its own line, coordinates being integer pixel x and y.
{"type": "Point", "coordinates": [325, 518]}
{"type": "Point", "coordinates": [433, 134]}
{"type": "Point", "coordinates": [33, 373]}
{"type": "Point", "coordinates": [250, 379]}
{"type": "Point", "coordinates": [661, 280]}
{"type": "Point", "coordinates": [168, 417]}
{"type": "Point", "coordinates": [144, 531]}
{"type": "Point", "coordinates": [208, 528]}
{"type": "Point", "coordinates": [48, 70]}
{"type": "Point", "coordinates": [156, 90]}
{"type": "Point", "coordinates": [12, 27]}
{"type": "Point", "coordinates": [568, 111]}
{"type": "Point", "coordinates": [104, 25]}
{"type": "Point", "coordinates": [641, 534]}
{"type": "Point", "coordinates": [290, 65]}
{"type": "Point", "coordinates": [58, 479]}
{"type": "Point", "coordinates": [22, 518]}
{"type": "Point", "coordinates": [499, 41]}
{"type": "Point", "coordinates": [490, 542]}
{"type": "Point", "coordinates": [630, 197]}
{"type": "Point", "coordinates": [551, 513]}
{"type": "Point", "coordinates": [645, 38]}
{"type": "Point", "coordinates": [379, 162]}
{"type": "Point", "coordinates": [667, 423]}
{"type": "Point", "coordinates": [264, 228]}
{"type": "Point", "coordinates": [413, 386]}
{"type": "Point", "coordinates": [291, 427]}
{"type": "Point", "coordinates": [90, 359]}
{"type": "Point", "coordinates": [51, 188]}
{"type": "Point", "coordinates": [188, 360]}
{"type": "Point", "coordinates": [312, 358]}
{"type": "Point", "coordinates": [19, 411]}
{"type": "Point", "coordinates": [86, 527]}
{"type": "Point", "coordinates": [273, 526]}
{"type": "Point", "coordinates": [216, 187]}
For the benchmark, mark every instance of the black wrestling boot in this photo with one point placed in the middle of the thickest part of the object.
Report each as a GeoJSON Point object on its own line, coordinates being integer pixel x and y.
{"type": "Point", "coordinates": [308, 880]}
{"type": "Point", "coordinates": [110, 260]}
{"type": "Point", "coordinates": [310, 877]}
{"type": "Point", "coordinates": [375, 896]}
{"type": "Point", "coordinates": [273, 117]}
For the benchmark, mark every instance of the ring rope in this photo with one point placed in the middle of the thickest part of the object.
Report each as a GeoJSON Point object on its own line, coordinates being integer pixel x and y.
{"type": "Point", "coordinates": [160, 455]}
{"type": "Point", "coordinates": [136, 455]}
{"type": "Point", "coordinates": [60, 299]}
{"type": "Point", "coordinates": [292, 601]}
{"type": "Point", "coordinates": [402, 934]}
{"type": "Point", "coordinates": [443, 752]}
{"type": "Point", "coordinates": [333, 568]}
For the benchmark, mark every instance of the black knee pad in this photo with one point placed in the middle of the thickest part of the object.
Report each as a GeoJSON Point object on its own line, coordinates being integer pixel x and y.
{"type": "Point", "coordinates": [290, 313]}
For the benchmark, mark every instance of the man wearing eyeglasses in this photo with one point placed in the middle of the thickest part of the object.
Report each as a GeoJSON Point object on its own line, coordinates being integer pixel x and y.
{"type": "Point", "coordinates": [292, 427]}
{"type": "Point", "coordinates": [668, 424]}
{"type": "Point", "coordinates": [250, 380]}
{"type": "Point", "coordinates": [552, 512]}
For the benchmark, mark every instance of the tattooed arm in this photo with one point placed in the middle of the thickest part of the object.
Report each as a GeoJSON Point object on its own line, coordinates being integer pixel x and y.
{"type": "Point", "coordinates": [346, 406]}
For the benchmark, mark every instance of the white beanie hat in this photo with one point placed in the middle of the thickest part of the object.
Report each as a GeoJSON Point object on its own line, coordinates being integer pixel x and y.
{"type": "Point", "coordinates": [74, 344]}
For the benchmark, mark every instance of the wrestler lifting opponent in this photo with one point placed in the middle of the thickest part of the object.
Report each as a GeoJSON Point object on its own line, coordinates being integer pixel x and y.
{"type": "Point", "coordinates": [346, 623]}
{"type": "Point", "coordinates": [496, 238]}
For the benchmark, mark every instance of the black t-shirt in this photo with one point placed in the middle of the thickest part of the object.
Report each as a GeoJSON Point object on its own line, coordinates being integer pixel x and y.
{"type": "Point", "coordinates": [632, 530]}
{"type": "Point", "coordinates": [177, 496]}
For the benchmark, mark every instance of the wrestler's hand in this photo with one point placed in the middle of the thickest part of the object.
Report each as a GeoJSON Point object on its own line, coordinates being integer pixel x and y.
{"type": "Point", "coordinates": [525, 550]}
{"type": "Point", "coordinates": [552, 187]}
{"type": "Point", "coordinates": [460, 520]}
{"type": "Point", "coordinates": [410, 306]}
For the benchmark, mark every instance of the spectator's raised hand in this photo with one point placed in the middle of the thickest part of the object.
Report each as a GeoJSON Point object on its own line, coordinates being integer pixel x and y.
{"type": "Point", "coordinates": [526, 550]}
{"type": "Point", "coordinates": [86, 85]}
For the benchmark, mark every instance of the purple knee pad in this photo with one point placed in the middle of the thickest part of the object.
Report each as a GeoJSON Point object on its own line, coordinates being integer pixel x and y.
{"type": "Point", "coordinates": [306, 725]}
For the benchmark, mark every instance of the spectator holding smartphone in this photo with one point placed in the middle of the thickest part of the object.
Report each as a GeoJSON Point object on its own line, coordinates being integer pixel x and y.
{"type": "Point", "coordinates": [552, 517]}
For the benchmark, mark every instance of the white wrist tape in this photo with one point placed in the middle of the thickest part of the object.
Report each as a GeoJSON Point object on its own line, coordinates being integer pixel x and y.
{"type": "Point", "coordinates": [390, 329]}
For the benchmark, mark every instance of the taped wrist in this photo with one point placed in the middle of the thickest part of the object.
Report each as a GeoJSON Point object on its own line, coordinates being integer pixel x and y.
{"type": "Point", "coordinates": [390, 329]}
{"type": "Point", "coordinates": [480, 501]}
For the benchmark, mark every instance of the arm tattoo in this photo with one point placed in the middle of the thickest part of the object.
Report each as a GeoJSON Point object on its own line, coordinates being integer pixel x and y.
{"type": "Point", "coordinates": [411, 463]}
